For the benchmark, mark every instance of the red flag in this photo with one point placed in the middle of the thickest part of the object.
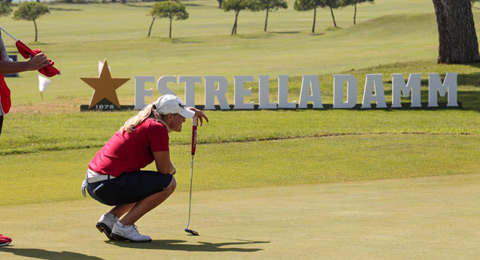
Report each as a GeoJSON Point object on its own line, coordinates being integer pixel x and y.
{"type": "Point", "coordinates": [26, 52]}
{"type": "Point", "coordinates": [4, 95]}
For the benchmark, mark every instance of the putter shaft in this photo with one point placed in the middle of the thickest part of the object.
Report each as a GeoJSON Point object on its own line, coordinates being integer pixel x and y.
{"type": "Point", "coordinates": [190, 198]}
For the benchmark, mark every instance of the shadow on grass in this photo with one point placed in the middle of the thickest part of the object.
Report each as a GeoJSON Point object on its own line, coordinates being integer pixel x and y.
{"type": "Point", "coordinates": [179, 245]}
{"type": "Point", "coordinates": [45, 254]}
{"type": "Point", "coordinates": [286, 32]}
{"type": "Point", "coordinates": [64, 9]}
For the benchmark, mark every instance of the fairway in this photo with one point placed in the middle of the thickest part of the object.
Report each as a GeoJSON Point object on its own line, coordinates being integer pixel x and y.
{"type": "Point", "coordinates": [268, 184]}
{"type": "Point", "coordinates": [419, 218]}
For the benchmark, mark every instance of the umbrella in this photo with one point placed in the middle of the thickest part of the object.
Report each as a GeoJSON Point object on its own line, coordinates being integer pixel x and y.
{"type": "Point", "coordinates": [26, 52]}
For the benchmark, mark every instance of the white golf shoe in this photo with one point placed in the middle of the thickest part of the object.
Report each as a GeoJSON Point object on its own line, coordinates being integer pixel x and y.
{"type": "Point", "coordinates": [130, 233]}
{"type": "Point", "coordinates": [105, 224]}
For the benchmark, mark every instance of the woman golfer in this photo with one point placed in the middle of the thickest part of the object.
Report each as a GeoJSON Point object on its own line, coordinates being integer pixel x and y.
{"type": "Point", "coordinates": [114, 177]}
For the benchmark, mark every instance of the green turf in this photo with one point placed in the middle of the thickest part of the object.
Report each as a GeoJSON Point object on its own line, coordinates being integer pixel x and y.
{"type": "Point", "coordinates": [336, 158]}
{"type": "Point", "coordinates": [59, 140]}
{"type": "Point", "coordinates": [286, 184]}
{"type": "Point", "coordinates": [418, 218]}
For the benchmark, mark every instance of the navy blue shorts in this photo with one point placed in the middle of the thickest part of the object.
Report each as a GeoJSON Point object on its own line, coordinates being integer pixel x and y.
{"type": "Point", "coordinates": [129, 188]}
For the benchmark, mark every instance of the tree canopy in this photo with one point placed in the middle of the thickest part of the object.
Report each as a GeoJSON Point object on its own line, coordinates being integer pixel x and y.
{"type": "Point", "coordinates": [31, 11]}
{"type": "Point", "coordinates": [307, 5]}
{"type": "Point", "coordinates": [170, 10]}
{"type": "Point", "coordinates": [5, 7]}
{"type": "Point", "coordinates": [354, 3]}
{"type": "Point", "coordinates": [332, 4]}
{"type": "Point", "coordinates": [271, 5]}
{"type": "Point", "coordinates": [237, 6]}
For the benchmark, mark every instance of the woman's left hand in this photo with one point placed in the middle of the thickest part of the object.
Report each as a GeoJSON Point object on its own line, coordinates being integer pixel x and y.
{"type": "Point", "coordinates": [199, 114]}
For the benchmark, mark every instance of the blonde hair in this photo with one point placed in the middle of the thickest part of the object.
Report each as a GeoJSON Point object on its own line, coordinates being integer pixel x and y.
{"type": "Point", "coordinates": [150, 111]}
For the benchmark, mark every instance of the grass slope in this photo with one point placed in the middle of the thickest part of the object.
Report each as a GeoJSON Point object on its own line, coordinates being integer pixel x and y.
{"type": "Point", "coordinates": [348, 157]}
{"type": "Point", "coordinates": [202, 44]}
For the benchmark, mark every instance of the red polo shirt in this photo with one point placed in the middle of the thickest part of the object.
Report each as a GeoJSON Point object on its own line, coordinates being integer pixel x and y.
{"type": "Point", "coordinates": [127, 152]}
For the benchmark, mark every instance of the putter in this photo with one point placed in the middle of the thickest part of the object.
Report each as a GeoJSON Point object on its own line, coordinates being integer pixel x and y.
{"type": "Point", "coordinates": [194, 146]}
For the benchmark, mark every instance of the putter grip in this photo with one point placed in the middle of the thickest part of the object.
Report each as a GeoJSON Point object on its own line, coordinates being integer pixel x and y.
{"type": "Point", "coordinates": [194, 134]}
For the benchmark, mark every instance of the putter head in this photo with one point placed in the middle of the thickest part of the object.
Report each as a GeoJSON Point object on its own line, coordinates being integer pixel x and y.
{"type": "Point", "coordinates": [193, 232]}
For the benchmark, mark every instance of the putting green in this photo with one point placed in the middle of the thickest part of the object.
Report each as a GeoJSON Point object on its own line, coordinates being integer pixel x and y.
{"type": "Point", "coordinates": [418, 218]}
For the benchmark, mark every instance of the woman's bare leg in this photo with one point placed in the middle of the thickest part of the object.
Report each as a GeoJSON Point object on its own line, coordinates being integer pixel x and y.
{"type": "Point", "coordinates": [142, 207]}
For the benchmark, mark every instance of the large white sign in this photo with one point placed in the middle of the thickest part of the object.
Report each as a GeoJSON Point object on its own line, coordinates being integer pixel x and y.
{"type": "Point", "coordinates": [216, 87]}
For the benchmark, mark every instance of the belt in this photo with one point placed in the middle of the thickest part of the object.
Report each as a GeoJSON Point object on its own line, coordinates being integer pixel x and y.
{"type": "Point", "coordinates": [93, 176]}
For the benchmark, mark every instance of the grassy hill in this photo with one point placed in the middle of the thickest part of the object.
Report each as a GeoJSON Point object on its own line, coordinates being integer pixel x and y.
{"type": "Point", "coordinates": [77, 36]}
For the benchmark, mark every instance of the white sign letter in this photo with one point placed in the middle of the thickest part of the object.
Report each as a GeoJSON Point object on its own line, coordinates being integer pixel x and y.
{"type": "Point", "coordinates": [239, 92]}
{"type": "Point", "coordinates": [412, 87]}
{"type": "Point", "coordinates": [140, 91]}
{"type": "Point", "coordinates": [211, 92]}
{"type": "Point", "coordinates": [162, 84]}
{"type": "Point", "coordinates": [283, 93]}
{"type": "Point", "coordinates": [374, 82]}
{"type": "Point", "coordinates": [435, 83]}
{"type": "Point", "coordinates": [338, 94]}
{"type": "Point", "coordinates": [310, 82]}
{"type": "Point", "coordinates": [264, 93]}
{"type": "Point", "coordinates": [190, 88]}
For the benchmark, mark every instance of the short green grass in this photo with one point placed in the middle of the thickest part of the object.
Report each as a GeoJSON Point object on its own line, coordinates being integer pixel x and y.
{"type": "Point", "coordinates": [284, 184]}
{"type": "Point", "coordinates": [345, 157]}
{"type": "Point", "coordinates": [59, 141]}
{"type": "Point", "coordinates": [416, 218]}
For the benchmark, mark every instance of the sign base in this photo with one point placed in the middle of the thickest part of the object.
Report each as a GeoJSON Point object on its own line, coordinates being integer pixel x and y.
{"type": "Point", "coordinates": [105, 105]}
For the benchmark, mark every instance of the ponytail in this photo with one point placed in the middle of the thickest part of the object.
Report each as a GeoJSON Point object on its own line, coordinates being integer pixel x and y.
{"type": "Point", "coordinates": [149, 111]}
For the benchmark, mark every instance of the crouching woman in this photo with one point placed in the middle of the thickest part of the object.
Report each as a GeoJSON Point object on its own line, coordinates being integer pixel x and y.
{"type": "Point", "coordinates": [114, 176]}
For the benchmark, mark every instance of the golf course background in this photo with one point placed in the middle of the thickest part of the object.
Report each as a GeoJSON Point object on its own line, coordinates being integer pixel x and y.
{"type": "Point", "coordinates": [336, 175]}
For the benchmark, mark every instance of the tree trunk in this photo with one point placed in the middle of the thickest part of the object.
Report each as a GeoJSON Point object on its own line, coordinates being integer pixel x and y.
{"type": "Point", "coordinates": [36, 31]}
{"type": "Point", "coordinates": [333, 17]}
{"type": "Point", "coordinates": [355, 14]}
{"type": "Point", "coordinates": [151, 25]}
{"type": "Point", "coordinates": [266, 21]}
{"type": "Point", "coordinates": [314, 19]}
{"type": "Point", "coordinates": [458, 42]}
{"type": "Point", "coordinates": [234, 29]}
{"type": "Point", "coordinates": [170, 31]}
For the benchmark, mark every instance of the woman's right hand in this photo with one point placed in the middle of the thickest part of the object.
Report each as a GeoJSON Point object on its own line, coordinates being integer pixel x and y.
{"type": "Point", "coordinates": [38, 61]}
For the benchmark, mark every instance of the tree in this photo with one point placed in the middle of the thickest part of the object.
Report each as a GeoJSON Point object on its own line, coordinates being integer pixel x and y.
{"type": "Point", "coordinates": [5, 7]}
{"type": "Point", "coordinates": [354, 3]}
{"type": "Point", "coordinates": [271, 5]}
{"type": "Point", "coordinates": [31, 11]}
{"type": "Point", "coordinates": [154, 16]}
{"type": "Point", "coordinates": [170, 10]}
{"type": "Point", "coordinates": [237, 6]}
{"type": "Point", "coordinates": [458, 42]}
{"type": "Point", "coordinates": [307, 5]}
{"type": "Point", "coordinates": [332, 4]}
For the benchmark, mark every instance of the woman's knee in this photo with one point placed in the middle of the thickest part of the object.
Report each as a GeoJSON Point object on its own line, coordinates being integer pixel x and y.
{"type": "Point", "coordinates": [171, 187]}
